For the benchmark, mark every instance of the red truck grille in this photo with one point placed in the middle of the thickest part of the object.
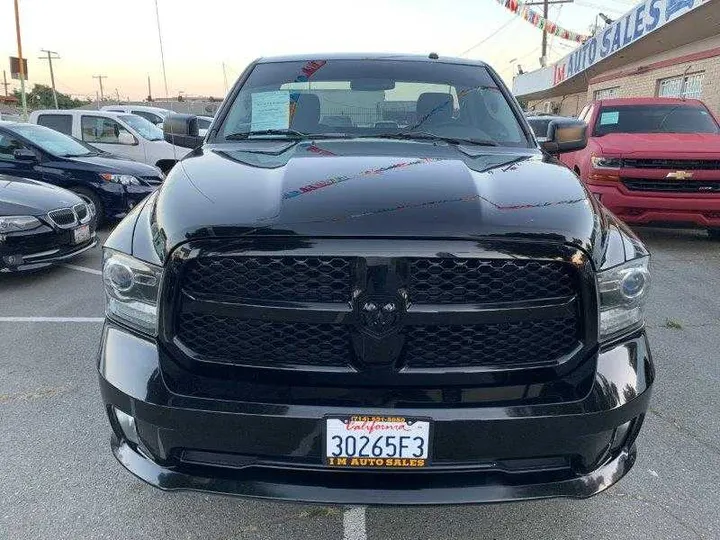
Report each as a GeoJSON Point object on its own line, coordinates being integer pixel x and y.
{"type": "Point", "coordinates": [673, 164]}
{"type": "Point", "coordinates": [672, 186]}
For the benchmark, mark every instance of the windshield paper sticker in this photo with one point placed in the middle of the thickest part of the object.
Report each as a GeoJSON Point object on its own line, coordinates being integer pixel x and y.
{"type": "Point", "coordinates": [270, 110]}
{"type": "Point", "coordinates": [609, 118]}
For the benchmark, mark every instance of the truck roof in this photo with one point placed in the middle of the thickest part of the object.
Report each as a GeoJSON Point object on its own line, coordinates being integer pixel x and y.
{"type": "Point", "coordinates": [648, 101]}
{"type": "Point", "coordinates": [370, 56]}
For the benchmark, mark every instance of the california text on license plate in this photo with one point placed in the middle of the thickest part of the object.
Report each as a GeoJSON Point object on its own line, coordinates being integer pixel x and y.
{"type": "Point", "coordinates": [377, 441]}
{"type": "Point", "coordinates": [81, 234]}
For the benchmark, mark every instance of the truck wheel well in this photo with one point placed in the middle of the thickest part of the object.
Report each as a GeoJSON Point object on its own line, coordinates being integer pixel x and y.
{"type": "Point", "coordinates": [165, 165]}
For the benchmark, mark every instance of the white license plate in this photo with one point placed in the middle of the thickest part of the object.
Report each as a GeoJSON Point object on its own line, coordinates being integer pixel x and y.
{"type": "Point", "coordinates": [81, 234]}
{"type": "Point", "coordinates": [377, 442]}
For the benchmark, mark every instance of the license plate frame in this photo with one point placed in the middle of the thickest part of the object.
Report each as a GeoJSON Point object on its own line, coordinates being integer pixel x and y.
{"type": "Point", "coordinates": [81, 234]}
{"type": "Point", "coordinates": [419, 426]}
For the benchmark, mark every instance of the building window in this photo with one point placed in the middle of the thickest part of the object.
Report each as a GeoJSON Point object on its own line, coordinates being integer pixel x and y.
{"type": "Point", "coordinates": [688, 86]}
{"type": "Point", "coordinates": [607, 93]}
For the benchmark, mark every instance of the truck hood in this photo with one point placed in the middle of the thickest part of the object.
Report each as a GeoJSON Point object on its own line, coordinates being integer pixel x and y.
{"type": "Point", "coordinates": [660, 145]}
{"type": "Point", "coordinates": [372, 188]}
{"type": "Point", "coordinates": [25, 197]}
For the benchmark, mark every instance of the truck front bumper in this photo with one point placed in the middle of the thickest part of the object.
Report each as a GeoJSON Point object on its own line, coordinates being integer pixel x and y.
{"type": "Point", "coordinates": [273, 451]}
{"type": "Point", "coordinates": [643, 208]}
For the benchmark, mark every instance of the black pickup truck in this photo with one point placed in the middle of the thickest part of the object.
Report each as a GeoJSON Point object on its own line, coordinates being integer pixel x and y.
{"type": "Point", "coordinates": [369, 284]}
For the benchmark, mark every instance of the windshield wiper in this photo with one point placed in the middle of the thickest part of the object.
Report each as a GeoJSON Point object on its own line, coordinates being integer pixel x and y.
{"type": "Point", "coordinates": [427, 136]}
{"type": "Point", "coordinates": [291, 134]}
{"type": "Point", "coordinates": [82, 155]}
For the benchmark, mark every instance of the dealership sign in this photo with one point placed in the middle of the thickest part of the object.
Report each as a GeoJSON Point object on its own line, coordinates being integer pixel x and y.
{"type": "Point", "coordinates": [640, 21]}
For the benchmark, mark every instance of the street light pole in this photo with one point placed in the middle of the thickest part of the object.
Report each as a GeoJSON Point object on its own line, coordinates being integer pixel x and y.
{"type": "Point", "coordinates": [23, 98]}
{"type": "Point", "coordinates": [51, 55]}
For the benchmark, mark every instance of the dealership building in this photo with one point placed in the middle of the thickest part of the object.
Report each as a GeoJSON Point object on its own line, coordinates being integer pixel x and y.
{"type": "Point", "coordinates": [666, 48]}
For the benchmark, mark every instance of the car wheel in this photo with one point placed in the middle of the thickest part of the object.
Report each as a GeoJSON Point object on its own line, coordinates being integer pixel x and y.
{"type": "Point", "coordinates": [92, 200]}
{"type": "Point", "coordinates": [714, 233]}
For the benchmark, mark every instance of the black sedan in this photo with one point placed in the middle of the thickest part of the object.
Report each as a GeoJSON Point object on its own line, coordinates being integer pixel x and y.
{"type": "Point", "coordinates": [41, 224]}
{"type": "Point", "coordinates": [112, 185]}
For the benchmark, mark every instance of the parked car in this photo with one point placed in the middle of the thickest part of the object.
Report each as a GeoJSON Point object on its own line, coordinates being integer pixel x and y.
{"type": "Point", "coordinates": [432, 313]}
{"type": "Point", "coordinates": [111, 185]}
{"type": "Point", "coordinates": [41, 224]}
{"type": "Point", "coordinates": [154, 115]}
{"type": "Point", "coordinates": [653, 160]}
{"type": "Point", "coordinates": [540, 124]}
{"type": "Point", "coordinates": [125, 135]}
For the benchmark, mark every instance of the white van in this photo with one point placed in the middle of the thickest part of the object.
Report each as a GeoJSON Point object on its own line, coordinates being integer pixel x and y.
{"type": "Point", "coordinates": [122, 134]}
{"type": "Point", "coordinates": [154, 115]}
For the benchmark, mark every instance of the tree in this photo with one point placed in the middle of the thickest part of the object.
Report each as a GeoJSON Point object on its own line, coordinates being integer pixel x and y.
{"type": "Point", "coordinates": [41, 97]}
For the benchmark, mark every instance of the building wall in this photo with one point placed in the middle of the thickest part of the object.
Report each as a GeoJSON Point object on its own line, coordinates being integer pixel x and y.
{"type": "Point", "coordinates": [641, 78]}
{"type": "Point", "coordinates": [569, 105]}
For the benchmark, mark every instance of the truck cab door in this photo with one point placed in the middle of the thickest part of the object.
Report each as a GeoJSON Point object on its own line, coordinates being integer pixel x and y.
{"type": "Point", "coordinates": [108, 135]}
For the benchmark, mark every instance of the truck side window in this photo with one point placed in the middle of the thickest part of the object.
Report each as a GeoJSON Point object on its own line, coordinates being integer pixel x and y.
{"type": "Point", "coordinates": [58, 122]}
{"type": "Point", "coordinates": [99, 129]}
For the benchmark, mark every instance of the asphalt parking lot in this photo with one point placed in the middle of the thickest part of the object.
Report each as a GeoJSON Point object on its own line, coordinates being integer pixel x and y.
{"type": "Point", "coordinates": [59, 480]}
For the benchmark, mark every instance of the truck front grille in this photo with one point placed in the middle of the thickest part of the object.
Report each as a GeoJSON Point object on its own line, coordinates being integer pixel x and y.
{"type": "Point", "coordinates": [672, 186]}
{"type": "Point", "coordinates": [672, 164]}
{"type": "Point", "coordinates": [300, 279]}
{"type": "Point", "coordinates": [501, 345]}
{"type": "Point", "coordinates": [265, 343]}
{"type": "Point", "coordinates": [289, 311]}
{"type": "Point", "coordinates": [460, 281]}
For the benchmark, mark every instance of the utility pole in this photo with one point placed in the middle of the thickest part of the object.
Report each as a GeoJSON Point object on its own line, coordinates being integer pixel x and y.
{"type": "Point", "coordinates": [149, 90]}
{"type": "Point", "coordinates": [546, 11]}
{"type": "Point", "coordinates": [117, 95]}
{"type": "Point", "coordinates": [23, 97]}
{"type": "Point", "coordinates": [100, 78]}
{"type": "Point", "coordinates": [5, 83]}
{"type": "Point", "coordinates": [51, 55]}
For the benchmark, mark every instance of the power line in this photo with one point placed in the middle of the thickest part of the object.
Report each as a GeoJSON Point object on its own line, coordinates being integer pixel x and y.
{"type": "Point", "coordinates": [496, 32]}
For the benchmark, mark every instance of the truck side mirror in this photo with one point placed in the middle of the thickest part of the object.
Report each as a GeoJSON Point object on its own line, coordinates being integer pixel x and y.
{"type": "Point", "coordinates": [182, 130]}
{"type": "Point", "coordinates": [565, 136]}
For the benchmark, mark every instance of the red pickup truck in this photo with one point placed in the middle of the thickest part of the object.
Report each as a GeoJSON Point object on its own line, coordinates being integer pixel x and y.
{"type": "Point", "coordinates": [653, 160]}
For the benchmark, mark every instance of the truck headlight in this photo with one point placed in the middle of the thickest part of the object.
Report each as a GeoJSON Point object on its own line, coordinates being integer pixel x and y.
{"type": "Point", "coordinates": [131, 290]}
{"type": "Point", "coordinates": [10, 224]}
{"type": "Point", "coordinates": [124, 179]}
{"type": "Point", "coordinates": [623, 291]}
{"type": "Point", "coordinates": [600, 162]}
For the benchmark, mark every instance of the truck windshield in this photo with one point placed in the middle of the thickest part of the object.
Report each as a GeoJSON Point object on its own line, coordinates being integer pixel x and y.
{"type": "Point", "coordinates": [670, 118]}
{"type": "Point", "coordinates": [146, 129]}
{"type": "Point", "coordinates": [373, 98]}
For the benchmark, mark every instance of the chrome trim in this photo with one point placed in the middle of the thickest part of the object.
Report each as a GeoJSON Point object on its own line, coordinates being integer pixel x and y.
{"type": "Point", "coordinates": [76, 219]}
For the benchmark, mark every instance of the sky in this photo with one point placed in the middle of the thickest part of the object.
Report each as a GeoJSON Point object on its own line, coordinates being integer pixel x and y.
{"type": "Point", "coordinates": [119, 39]}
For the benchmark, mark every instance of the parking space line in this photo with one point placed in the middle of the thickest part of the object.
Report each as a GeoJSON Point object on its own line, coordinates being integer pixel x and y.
{"type": "Point", "coordinates": [354, 523]}
{"type": "Point", "coordinates": [82, 269]}
{"type": "Point", "coordinates": [53, 319]}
